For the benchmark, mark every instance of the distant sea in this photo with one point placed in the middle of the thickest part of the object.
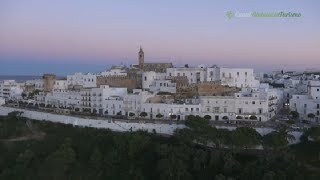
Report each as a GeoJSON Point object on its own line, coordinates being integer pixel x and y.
{"type": "Point", "coordinates": [20, 78]}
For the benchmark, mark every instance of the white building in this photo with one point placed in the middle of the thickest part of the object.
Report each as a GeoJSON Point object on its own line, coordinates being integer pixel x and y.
{"type": "Point", "coordinates": [133, 102]}
{"type": "Point", "coordinates": [259, 104]}
{"type": "Point", "coordinates": [10, 89]}
{"type": "Point", "coordinates": [38, 84]}
{"type": "Point", "coordinates": [193, 74]}
{"type": "Point", "coordinates": [148, 78]}
{"type": "Point", "coordinates": [115, 71]}
{"type": "Point", "coordinates": [196, 74]}
{"type": "Point", "coordinates": [163, 86]}
{"type": "Point", "coordinates": [85, 80]}
{"type": "Point", "coordinates": [103, 99]}
{"type": "Point", "coordinates": [308, 104]}
{"type": "Point", "coordinates": [60, 85]}
{"type": "Point", "coordinates": [181, 111]}
{"type": "Point", "coordinates": [2, 101]}
{"type": "Point", "coordinates": [238, 77]}
{"type": "Point", "coordinates": [61, 98]}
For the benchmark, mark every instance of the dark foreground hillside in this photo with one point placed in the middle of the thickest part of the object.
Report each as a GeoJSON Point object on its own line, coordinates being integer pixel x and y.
{"type": "Point", "coordinates": [43, 150]}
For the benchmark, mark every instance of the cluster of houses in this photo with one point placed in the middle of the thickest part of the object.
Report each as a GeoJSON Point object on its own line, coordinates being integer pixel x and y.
{"type": "Point", "coordinates": [259, 97]}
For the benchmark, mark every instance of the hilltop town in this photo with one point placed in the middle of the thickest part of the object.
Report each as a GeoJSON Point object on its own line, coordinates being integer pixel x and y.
{"type": "Point", "coordinates": [160, 91]}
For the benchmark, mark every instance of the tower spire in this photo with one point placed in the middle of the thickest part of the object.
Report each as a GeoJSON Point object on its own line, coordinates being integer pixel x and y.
{"type": "Point", "coordinates": [141, 58]}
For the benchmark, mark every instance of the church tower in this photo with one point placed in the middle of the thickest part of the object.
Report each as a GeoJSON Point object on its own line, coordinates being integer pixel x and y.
{"type": "Point", "coordinates": [141, 58]}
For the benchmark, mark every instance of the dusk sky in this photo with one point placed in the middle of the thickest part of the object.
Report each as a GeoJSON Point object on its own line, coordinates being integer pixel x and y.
{"type": "Point", "coordinates": [66, 36]}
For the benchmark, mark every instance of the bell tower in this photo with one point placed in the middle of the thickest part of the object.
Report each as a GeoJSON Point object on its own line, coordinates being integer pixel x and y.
{"type": "Point", "coordinates": [141, 58]}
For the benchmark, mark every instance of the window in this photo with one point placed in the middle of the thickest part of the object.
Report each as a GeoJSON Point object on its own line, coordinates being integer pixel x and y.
{"type": "Point", "coordinates": [184, 74]}
{"type": "Point", "coordinates": [239, 110]}
{"type": "Point", "coordinates": [317, 89]}
{"type": "Point", "coordinates": [246, 73]}
{"type": "Point", "coordinates": [223, 75]}
{"type": "Point", "coordinates": [160, 84]}
{"type": "Point", "coordinates": [260, 111]}
{"type": "Point", "coordinates": [186, 109]}
{"type": "Point", "coordinates": [178, 74]}
{"type": "Point", "coordinates": [208, 109]}
{"type": "Point", "coordinates": [169, 74]}
{"type": "Point", "coordinates": [197, 109]}
{"type": "Point", "coordinates": [318, 113]}
{"type": "Point", "coordinates": [191, 109]}
{"type": "Point", "coordinates": [225, 110]}
{"type": "Point", "coordinates": [318, 105]}
{"type": "Point", "coordinates": [216, 109]}
{"type": "Point", "coordinates": [305, 105]}
{"type": "Point", "coordinates": [145, 78]}
{"type": "Point", "coordinates": [253, 102]}
{"type": "Point", "coordinates": [238, 74]}
{"type": "Point", "coordinates": [295, 104]}
{"type": "Point", "coordinates": [246, 102]}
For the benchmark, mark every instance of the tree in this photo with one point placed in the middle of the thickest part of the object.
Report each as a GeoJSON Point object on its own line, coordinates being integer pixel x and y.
{"type": "Point", "coordinates": [119, 113]}
{"type": "Point", "coordinates": [253, 117]}
{"type": "Point", "coordinates": [294, 114]}
{"type": "Point", "coordinates": [58, 164]}
{"type": "Point", "coordinates": [274, 140]}
{"type": "Point", "coordinates": [207, 117]}
{"type": "Point", "coordinates": [245, 137]}
{"type": "Point", "coordinates": [239, 117]}
{"type": "Point", "coordinates": [24, 95]}
{"type": "Point", "coordinates": [15, 114]}
{"type": "Point", "coordinates": [311, 115]}
{"type": "Point", "coordinates": [159, 115]}
{"type": "Point", "coordinates": [173, 116]}
{"type": "Point", "coordinates": [277, 139]}
{"type": "Point", "coordinates": [131, 114]}
{"type": "Point", "coordinates": [312, 133]}
{"type": "Point", "coordinates": [95, 162]}
{"type": "Point", "coordinates": [172, 163]}
{"type": "Point", "coordinates": [143, 114]}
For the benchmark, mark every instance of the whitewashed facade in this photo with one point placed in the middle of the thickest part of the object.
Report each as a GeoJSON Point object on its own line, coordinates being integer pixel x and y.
{"type": "Point", "coordinates": [85, 80]}
{"type": "Point", "coordinates": [238, 77]}
{"type": "Point", "coordinates": [148, 78]}
{"type": "Point", "coordinates": [308, 103]}
{"type": "Point", "coordinates": [263, 103]}
{"type": "Point", "coordinates": [60, 85]}
{"type": "Point", "coordinates": [10, 89]}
